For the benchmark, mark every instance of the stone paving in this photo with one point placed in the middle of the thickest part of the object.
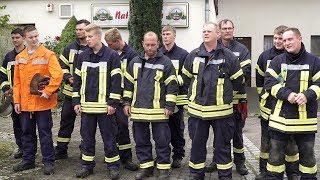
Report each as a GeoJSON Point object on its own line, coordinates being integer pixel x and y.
{"type": "Point", "coordinates": [66, 169]}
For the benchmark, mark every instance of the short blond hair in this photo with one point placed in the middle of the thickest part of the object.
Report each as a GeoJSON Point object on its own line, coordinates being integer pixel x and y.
{"type": "Point", "coordinates": [169, 28]}
{"type": "Point", "coordinates": [113, 35]}
{"type": "Point", "coordinates": [93, 27]}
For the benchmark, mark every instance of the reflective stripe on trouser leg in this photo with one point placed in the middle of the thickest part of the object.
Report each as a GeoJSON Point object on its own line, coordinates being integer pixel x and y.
{"type": "Point", "coordinates": [68, 117]}
{"type": "Point", "coordinates": [108, 129]}
{"type": "Point", "coordinates": [161, 136]}
{"type": "Point", "coordinates": [88, 131]}
{"type": "Point", "coordinates": [238, 149]}
{"type": "Point", "coordinates": [307, 166]}
{"type": "Point", "coordinates": [198, 148]}
{"type": "Point", "coordinates": [223, 132]}
{"type": "Point", "coordinates": [292, 157]}
{"type": "Point", "coordinates": [17, 130]}
{"type": "Point", "coordinates": [265, 145]}
{"type": "Point", "coordinates": [123, 137]}
{"type": "Point", "coordinates": [141, 135]}
{"type": "Point", "coordinates": [276, 162]}
{"type": "Point", "coordinates": [176, 125]}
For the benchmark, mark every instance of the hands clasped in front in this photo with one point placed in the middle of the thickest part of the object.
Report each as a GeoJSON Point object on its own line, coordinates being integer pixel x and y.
{"type": "Point", "coordinates": [299, 98]}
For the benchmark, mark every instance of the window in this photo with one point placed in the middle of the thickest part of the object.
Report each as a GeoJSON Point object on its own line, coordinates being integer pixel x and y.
{"type": "Point", "coordinates": [315, 45]}
{"type": "Point", "coordinates": [268, 42]}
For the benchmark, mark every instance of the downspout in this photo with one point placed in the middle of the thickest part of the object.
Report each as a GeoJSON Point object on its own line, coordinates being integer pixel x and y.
{"type": "Point", "coordinates": [210, 11]}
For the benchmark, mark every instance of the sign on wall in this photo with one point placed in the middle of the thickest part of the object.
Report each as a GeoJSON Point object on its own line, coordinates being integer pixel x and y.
{"type": "Point", "coordinates": [117, 14]}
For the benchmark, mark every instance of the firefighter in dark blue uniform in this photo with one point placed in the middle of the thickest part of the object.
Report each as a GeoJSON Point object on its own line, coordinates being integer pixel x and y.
{"type": "Point", "coordinates": [212, 73]}
{"type": "Point", "coordinates": [127, 53]}
{"type": "Point", "coordinates": [176, 123]}
{"type": "Point", "coordinates": [96, 94]}
{"type": "Point", "coordinates": [242, 53]}
{"type": "Point", "coordinates": [293, 80]}
{"type": "Point", "coordinates": [6, 82]}
{"type": "Point", "coordinates": [292, 155]}
{"type": "Point", "coordinates": [150, 97]}
{"type": "Point", "coordinates": [68, 60]}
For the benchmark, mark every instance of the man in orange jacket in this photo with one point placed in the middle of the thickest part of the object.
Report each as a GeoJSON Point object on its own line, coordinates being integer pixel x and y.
{"type": "Point", "coordinates": [35, 110]}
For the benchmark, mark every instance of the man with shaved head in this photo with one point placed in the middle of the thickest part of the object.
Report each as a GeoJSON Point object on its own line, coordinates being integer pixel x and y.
{"type": "Point", "coordinates": [150, 92]}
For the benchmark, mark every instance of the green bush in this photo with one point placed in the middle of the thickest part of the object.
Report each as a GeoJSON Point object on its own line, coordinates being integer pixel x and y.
{"type": "Point", "coordinates": [67, 35]}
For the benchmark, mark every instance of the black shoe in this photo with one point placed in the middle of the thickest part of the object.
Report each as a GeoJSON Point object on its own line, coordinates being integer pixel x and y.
{"type": "Point", "coordinates": [114, 173]}
{"type": "Point", "coordinates": [48, 169]}
{"type": "Point", "coordinates": [163, 174]}
{"type": "Point", "coordinates": [176, 163]}
{"type": "Point", "coordinates": [61, 156]}
{"type": "Point", "coordinates": [211, 167]}
{"type": "Point", "coordinates": [18, 154]}
{"type": "Point", "coordinates": [143, 173]}
{"type": "Point", "coordinates": [84, 172]}
{"type": "Point", "coordinates": [242, 169]}
{"type": "Point", "coordinates": [193, 176]}
{"type": "Point", "coordinates": [261, 176]}
{"type": "Point", "coordinates": [130, 165]}
{"type": "Point", "coordinates": [293, 177]}
{"type": "Point", "coordinates": [23, 166]}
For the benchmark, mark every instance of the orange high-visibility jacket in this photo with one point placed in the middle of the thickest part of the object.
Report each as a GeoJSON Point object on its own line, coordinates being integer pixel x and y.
{"type": "Point", "coordinates": [45, 62]}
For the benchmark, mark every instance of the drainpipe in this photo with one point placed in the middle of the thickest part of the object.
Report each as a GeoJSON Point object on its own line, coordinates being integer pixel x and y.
{"type": "Point", "coordinates": [210, 11]}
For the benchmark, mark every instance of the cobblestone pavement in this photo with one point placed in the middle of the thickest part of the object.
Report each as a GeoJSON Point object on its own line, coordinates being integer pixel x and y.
{"type": "Point", "coordinates": [66, 169]}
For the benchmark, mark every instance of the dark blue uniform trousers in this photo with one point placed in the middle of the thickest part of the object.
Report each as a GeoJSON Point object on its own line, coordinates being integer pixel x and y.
{"type": "Point", "coordinates": [108, 129]}
{"type": "Point", "coordinates": [17, 130]}
{"type": "Point", "coordinates": [29, 121]}
{"type": "Point", "coordinates": [176, 125]}
{"type": "Point", "coordinates": [161, 136]}
{"type": "Point", "coordinates": [68, 117]}
{"type": "Point", "coordinates": [292, 166]}
{"type": "Point", "coordinates": [123, 137]}
{"type": "Point", "coordinates": [238, 149]}
{"type": "Point", "coordinates": [223, 132]}
{"type": "Point", "coordinates": [307, 161]}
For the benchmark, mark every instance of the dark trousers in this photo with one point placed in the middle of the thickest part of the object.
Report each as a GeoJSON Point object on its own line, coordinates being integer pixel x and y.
{"type": "Point", "coordinates": [276, 162]}
{"type": "Point", "coordinates": [29, 121]}
{"type": "Point", "coordinates": [68, 117]}
{"type": "Point", "coordinates": [223, 132]}
{"type": "Point", "coordinates": [237, 140]}
{"type": "Point", "coordinates": [291, 151]}
{"type": "Point", "coordinates": [123, 137]}
{"type": "Point", "coordinates": [108, 129]}
{"type": "Point", "coordinates": [17, 130]}
{"type": "Point", "coordinates": [161, 136]}
{"type": "Point", "coordinates": [176, 125]}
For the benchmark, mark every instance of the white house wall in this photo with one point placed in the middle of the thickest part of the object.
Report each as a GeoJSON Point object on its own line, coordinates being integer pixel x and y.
{"type": "Point", "coordinates": [256, 18]}
{"type": "Point", "coordinates": [49, 23]}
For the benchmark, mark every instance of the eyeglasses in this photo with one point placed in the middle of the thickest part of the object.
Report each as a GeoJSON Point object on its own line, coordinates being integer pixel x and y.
{"type": "Point", "coordinates": [225, 29]}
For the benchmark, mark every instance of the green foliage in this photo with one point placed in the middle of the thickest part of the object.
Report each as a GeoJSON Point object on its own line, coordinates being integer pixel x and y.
{"type": "Point", "coordinates": [4, 20]}
{"type": "Point", "coordinates": [67, 36]}
{"type": "Point", "coordinates": [144, 16]}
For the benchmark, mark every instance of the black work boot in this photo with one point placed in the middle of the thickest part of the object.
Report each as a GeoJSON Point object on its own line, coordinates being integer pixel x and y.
{"type": "Point", "coordinates": [242, 169]}
{"type": "Point", "coordinates": [114, 173]}
{"type": "Point", "coordinates": [18, 154]}
{"type": "Point", "coordinates": [131, 166]}
{"type": "Point", "coordinates": [176, 163]}
{"type": "Point", "coordinates": [23, 166]}
{"type": "Point", "coordinates": [48, 169]}
{"type": "Point", "coordinates": [144, 173]}
{"type": "Point", "coordinates": [211, 167]}
{"type": "Point", "coordinates": [61, 156]}
{"type": "Point", "coordinates": [163, 174]}
{"type": "Point", "coordinates": [84, 172]}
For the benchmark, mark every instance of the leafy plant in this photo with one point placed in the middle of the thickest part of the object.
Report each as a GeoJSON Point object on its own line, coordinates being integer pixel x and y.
{"type": "Point", "coordinates": [67, 35]}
